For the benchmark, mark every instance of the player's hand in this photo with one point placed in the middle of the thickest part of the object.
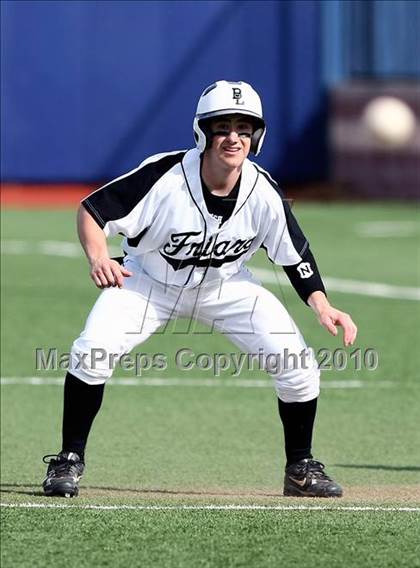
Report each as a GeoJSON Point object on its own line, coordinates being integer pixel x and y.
{"type": "Point", "coordinates": [106, 273]}
{"type": "Point", "coordinates": [331, 318]}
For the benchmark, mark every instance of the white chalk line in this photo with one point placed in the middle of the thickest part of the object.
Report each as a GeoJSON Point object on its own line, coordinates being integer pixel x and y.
{"type": "Point", "coordinates": [358, 287]}
{"type": "Point", "coordinates": [273, 276]}
{"type": "Point", "coordinates": [387, 229]}
{"type": "Point", "coordinates": [212, 507]}
{"type": "Point", "coordinates": [211, 383]}
{"type": "Point", "coordinates": [49, 248]}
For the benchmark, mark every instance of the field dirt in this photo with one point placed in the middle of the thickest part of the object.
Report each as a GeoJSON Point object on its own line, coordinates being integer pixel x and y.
{"type": "Point", "coordinates": [381, 494]}
{"type": "Point", "coordinates": [408, 495]}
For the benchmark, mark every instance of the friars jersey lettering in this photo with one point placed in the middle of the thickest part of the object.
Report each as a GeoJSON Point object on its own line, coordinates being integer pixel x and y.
{"type": "Point", "coordinates": [171, 231]}
{"type": "Point", "coordinates": [204, 253]}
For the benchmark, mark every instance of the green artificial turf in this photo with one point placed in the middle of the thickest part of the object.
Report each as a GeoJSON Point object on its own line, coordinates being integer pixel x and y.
{"type": "Point", "coordinates": [213, 439]}
{"type": "Point", "coordinates": [183, 444]}
{"type": "Point", "coordinates": [210, 538]}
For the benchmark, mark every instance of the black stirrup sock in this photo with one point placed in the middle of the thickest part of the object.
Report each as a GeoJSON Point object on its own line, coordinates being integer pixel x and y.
{"type": "Point", "coordinates": [81, 404]}
{"type": "Point", "coordinates": [298, 421]}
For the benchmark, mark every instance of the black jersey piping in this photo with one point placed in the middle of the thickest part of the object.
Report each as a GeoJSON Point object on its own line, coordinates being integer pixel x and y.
{"type": "Point", "coordinates": [305, 246]}
{"type": "Point", "coordinates": [204, 221]}
{"type": "Point", "coordinates": [210, 258]}
{"type": "Point", "coordinates": [93, 213]}
{"type": "Point", "coordinates": [287, 210]}
{"type": "Point", "coordinates": [249, 194]}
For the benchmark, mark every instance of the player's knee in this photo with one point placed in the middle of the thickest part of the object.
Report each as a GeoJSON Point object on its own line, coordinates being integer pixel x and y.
{"type": "Point", "coordinates": [299, 388]}
{"type": "Point", "coordinates": [91, 361]}
{"type": "Point", "coordinates": [298, 384]}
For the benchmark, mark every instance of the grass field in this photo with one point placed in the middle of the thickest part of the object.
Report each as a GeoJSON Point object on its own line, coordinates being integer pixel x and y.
{"type": "Point", "coordinates": [185, 469]}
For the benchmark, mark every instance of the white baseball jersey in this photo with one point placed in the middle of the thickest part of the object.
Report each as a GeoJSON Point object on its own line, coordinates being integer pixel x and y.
{"type": "Point", "coordinates": [188, 262]}
{"type": "Point", "coordinates": [160, 210]}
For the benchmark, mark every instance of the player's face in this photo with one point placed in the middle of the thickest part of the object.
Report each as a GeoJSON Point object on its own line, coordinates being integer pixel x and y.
{"type": "Point", "coordinates": [231, 140]}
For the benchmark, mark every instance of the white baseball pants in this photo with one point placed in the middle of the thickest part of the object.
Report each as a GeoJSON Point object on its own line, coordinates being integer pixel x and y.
{"type": "Point", "coordinates": [248, 314]}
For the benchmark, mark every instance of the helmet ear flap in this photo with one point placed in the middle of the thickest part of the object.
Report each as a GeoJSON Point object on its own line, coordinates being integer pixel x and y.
{"type": "Point", "coordinates": [256, 140]}
{"type": "Point", "coordinates": [205, 127]}
{"type": "Point", "coordinates": [202, 133]}
{"type": "Point", "coordinates": [199, 135]}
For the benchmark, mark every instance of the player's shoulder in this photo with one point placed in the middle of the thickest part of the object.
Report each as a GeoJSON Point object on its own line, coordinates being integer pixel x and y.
{"type": "Point", "coordinates": [163, 160]}
{"type": "Point", "coordinates": [145, 177]}
{"type": "Point", "coordinates": [267, 184]}
{"type": "Point", "coordinates": [153, 172]}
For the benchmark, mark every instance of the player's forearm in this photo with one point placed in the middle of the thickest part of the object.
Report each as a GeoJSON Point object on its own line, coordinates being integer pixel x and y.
{"type": "Point", "coordinates": [305, 277]}
{"type": "Point", "coordinates": [318, 302]}
{"type": "Point", "coordinates": [91, 236]}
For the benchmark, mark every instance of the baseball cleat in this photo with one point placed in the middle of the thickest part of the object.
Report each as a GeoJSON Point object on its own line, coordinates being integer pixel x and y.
{"type": "Point", "coordinates": [307, 478]}
{"type": "Point", "coordinates": [63, 474]}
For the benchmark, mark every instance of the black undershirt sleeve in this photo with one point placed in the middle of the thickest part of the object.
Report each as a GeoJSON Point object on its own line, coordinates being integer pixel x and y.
{"type": "Point", "coordinates": [304, 276]}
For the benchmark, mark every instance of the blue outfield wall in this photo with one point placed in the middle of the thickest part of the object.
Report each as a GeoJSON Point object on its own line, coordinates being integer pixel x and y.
{"type": "Point", "coordinates": [89, 89]}
{"type": "Point", "coordinates": [370, 39]}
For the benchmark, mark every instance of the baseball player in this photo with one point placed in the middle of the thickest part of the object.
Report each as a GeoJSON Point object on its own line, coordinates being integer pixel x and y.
{"type": "Point", "coordinates": [191, 220]}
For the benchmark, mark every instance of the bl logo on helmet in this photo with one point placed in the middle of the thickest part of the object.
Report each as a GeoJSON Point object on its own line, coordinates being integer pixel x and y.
{"type": "Point", "coordinates": [237, 95]}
